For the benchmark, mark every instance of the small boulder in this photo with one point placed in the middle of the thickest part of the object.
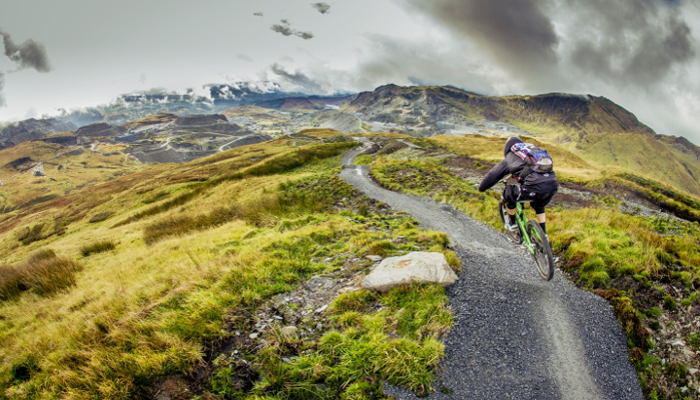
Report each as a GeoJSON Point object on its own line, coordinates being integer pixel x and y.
{"type": "Point", "coordinates": [418, 266]}
{"type": "Point", "coordinates": [289, 331]}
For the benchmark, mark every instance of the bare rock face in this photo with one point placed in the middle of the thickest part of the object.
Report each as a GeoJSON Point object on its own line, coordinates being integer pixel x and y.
{"type": "Point", "coordinates": [100, 129]}
{"type": "Point", "coordinates": [417, 266]}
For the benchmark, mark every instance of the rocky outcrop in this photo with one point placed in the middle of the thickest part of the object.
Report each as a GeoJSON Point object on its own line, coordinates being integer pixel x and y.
{"type": "Point", "coordinates": [32, 129]}
{"type": "Point", "coordinates": [67, 140]}
{"type": "Point", "coordinates": [190, 120]}
{"type": "Point", "coordinates": [203, 124]}
{"type": "Point", "coordinates": [419, 267]}
{"type": "Point", "coordinates": [100, 129]}
{"type": "Point", "coordinates": [681, 144]}
{"type": "Point", "coordinates": [19, 163]}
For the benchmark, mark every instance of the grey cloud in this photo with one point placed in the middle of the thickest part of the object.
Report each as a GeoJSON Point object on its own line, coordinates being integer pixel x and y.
{"type": "Point", "coordinates": [244, 57]}
{"type": "Point", "coordinates": [396, 61]}
{"type": "Point", "coordinates": [155, 91]}
{"type": "Point", "coordinates": [629, 43]}
{"type": "Point", "coordinates": [620, 42]}
{"type": "Point", "coordinates": [297, 79]}
{"type": "Point", "coordinates": [421, 63]}
{"type": "Point", "coordinates": [258, 14]}
{"type": "Point", "coordinates": [321, 7]}
{"type": "Point", "coordinates": [304, 35]}
{"type": "Point", "coordinates": [513, 32]}
{"type": "Point", "coordinates": [29, 54]}
{"type": "Point", "coordinates": [2, 86]}
{"type": "Point", "coordinates": [285, 30]}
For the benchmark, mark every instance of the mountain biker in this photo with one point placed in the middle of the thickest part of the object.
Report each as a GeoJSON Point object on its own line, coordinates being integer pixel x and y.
{"type": "Point", "coordinates": [537, 187]}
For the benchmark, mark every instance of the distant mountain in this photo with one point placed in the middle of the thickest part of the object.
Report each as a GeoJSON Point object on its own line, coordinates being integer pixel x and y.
{"type": "Point", "coordinates": [32, 129]}
{"type": "Point", "coordinates": [306, 102]}
{"type": "Point", "coordinates": [446, 110]}
{"type": "Point", "coordinates": [134, 106]}
{"type": "Point", "coordinates": [595, 128]}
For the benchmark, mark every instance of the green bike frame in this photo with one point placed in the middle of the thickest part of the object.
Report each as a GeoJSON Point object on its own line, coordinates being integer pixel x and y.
{"type": "Point", "coordinates": [521, 220]}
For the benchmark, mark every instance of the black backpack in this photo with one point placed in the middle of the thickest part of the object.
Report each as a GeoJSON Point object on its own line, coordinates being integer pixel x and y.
{"type": "Point", "coordinates": [537, 159]}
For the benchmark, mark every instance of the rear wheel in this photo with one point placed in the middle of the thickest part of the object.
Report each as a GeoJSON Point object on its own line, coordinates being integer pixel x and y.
{"type": "Point", "coordinates": [544, 259]}
{"type": "Point", "coordinates": [514, 237]}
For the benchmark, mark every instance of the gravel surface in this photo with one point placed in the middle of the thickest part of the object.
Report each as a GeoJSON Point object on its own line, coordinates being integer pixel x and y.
{"type": "Point", "coordinates": [515, 335]}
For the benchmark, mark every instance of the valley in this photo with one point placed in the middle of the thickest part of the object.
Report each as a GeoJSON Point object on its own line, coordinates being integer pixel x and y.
{"type": "Point", "coordinates": [174, 240]}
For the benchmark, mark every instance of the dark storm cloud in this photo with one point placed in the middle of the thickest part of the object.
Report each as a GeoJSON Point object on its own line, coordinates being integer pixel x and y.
{"type": "Point", "coordinates": [29, 54]}
{"type": "Point", "coordinates": [427, 66]}
{"type": "Point", "coordinates": [297, 78]}
{"type": "Point", "coordinates": [285, 30]}
{"type": "Point", "coordinates": [321, 7]}
{"type": "Point", "coordinates": [634, 42]}
{"type": "Point", "coordinates": [304, 35]}
{"type": "Point", "coordinates": [515, 32]}
{"type": "Point", "coordinates": [620, 42]}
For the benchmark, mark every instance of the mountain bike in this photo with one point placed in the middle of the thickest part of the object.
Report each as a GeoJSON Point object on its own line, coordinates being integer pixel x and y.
{"type": "Point", "coordinates": [531, 234]}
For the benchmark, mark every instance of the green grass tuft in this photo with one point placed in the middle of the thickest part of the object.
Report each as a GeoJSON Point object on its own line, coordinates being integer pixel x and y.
{"type": "Point", "coordinates": [43, 273]}
{"type": "Point", "coordinates": [97, 247]}
{"type": "Point", "coordinates": [100, 217]}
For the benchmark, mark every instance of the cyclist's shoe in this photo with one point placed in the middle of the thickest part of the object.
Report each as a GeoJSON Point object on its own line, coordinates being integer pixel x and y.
{"type": "Point", "coordinates": [513, 228]}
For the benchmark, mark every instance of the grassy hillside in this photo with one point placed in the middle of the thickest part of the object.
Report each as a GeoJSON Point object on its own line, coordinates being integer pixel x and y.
{"type": "Point", "coordinates": [66, 168]}
{"type": "Point", "coordinates": [646, 264]}
{"type": "Point", "coordinates": [593, 128]}
{"type": "Point", "coordinates": [156, 282]}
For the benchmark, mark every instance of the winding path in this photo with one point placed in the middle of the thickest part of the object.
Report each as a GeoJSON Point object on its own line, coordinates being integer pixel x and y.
{"type": "Point", "coordinates": [221, 148]}
{"type": "Point", "coordinates": [515, 335]}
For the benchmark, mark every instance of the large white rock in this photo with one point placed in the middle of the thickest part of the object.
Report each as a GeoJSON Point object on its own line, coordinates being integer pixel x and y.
{"type": "Point", "coordinates": [418, 266]}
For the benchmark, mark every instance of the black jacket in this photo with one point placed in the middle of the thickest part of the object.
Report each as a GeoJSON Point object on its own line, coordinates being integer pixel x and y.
{"type": "Point", "coordinates": [513, 164]}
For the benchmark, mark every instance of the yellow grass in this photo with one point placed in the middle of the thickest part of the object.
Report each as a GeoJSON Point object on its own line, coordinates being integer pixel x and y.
{"type": "Point", "coordinates": [119, 315]}
{"type": "Point", "coordinates": [566, 164]}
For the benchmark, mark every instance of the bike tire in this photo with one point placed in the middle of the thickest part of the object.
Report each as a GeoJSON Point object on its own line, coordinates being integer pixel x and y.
{"type": "Point", "coordinates": [544, 259]}
{"type": "Point", "coordinates": [514, 237]}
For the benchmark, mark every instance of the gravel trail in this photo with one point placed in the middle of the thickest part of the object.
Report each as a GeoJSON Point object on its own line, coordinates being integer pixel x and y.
{"type": "Point", "coordinates": [515, 335]}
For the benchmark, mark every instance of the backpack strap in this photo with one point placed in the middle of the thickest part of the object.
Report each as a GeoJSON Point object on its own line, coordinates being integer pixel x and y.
{"type": "Point", "coordinates": [524, 173]}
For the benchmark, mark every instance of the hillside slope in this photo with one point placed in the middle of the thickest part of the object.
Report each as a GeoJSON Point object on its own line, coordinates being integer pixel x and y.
{"type": "Point", "coordinates": [187, 280]}
{"type": "Point", "coordinates": [595, 128]}
{"type": "Point", "coordinates": [611, 237]}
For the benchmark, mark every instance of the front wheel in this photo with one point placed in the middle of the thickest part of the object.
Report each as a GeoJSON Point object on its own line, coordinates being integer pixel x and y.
{"type": "Point", "coordinates": [515, 237]}
{"type": "Point", "coordinates": [542, 251]}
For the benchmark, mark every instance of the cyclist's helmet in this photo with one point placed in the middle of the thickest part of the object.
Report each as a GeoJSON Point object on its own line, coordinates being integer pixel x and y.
{"type": "Point", "coordinates": [509, 143]}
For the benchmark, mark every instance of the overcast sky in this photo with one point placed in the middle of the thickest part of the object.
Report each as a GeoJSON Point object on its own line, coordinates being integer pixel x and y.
{"type": "Point", "coordinates": [642, 54]}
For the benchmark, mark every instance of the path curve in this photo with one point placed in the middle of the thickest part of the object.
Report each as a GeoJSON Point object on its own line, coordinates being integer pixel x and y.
{"type": "Point", "coordinates": [221, 148]}
{"type": "Point", "coordinates": [515, 335]}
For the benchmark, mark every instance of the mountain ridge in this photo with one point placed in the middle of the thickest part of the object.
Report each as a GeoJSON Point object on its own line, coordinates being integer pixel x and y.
{"type": "Point", "coordinates": [594, 127]}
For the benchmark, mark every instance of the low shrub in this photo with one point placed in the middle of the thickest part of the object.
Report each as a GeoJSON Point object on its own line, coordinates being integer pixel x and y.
{"type": "Point", "coordinates": [100, 217]}
{"type": "Point", "coordinates": [10, 278]}
{"type": "Point", "coordinates": [363, 159]}
{"type": "Point", "coordinates": [398, 344]}
{"type": "Point", "coordinates": [43, 273]}
{"type": "Point", "coordinates": [27, 235]}
{"type": "Point", "coordinates": [292, 198]}
{"type": "Point", "coordinates": [670, 303]}
{"type": "Point", "coordinates": [97, 247]}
